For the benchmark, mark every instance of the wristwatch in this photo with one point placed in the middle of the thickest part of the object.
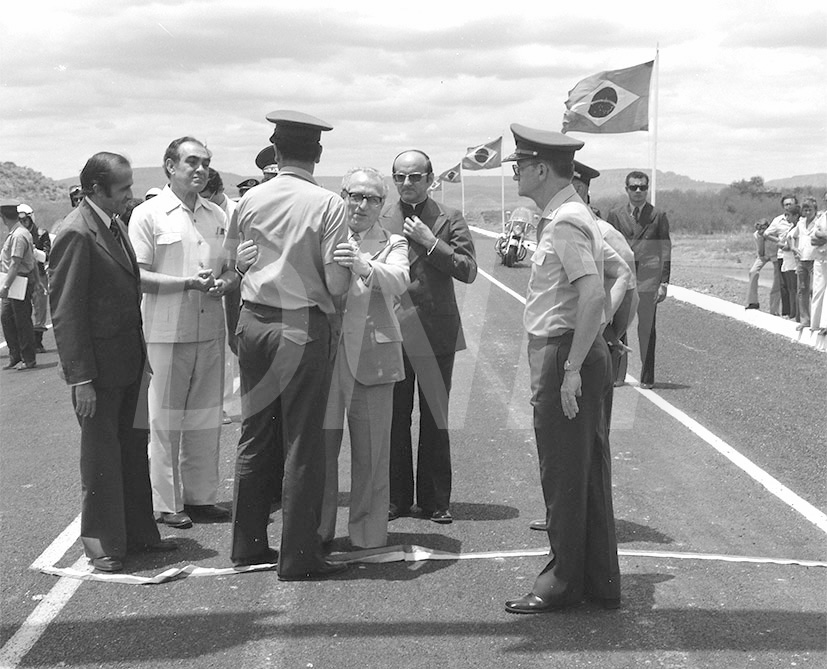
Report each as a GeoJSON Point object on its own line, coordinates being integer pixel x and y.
{"type": "Point", "coordinates": [568, 367]}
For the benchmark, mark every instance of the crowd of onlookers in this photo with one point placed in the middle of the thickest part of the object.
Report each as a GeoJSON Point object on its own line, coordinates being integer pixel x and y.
{"type": "Point", "coordinates": [795, 243]}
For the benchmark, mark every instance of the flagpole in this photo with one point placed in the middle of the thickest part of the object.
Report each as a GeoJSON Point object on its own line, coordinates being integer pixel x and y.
{"type": "Point", "coordinates": [502, 192]}
{"type": "Point", "coordinates": [462, 183]}
{"type": "Point", "coordinates": [654, 134]}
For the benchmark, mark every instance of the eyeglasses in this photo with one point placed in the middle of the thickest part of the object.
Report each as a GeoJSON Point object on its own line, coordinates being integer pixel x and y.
{"type": "Point", "coordinates": [639, 187]}
{"type": "Point", "coordinates": [358, 198]}
{"type": "Point", "coordinates": [413, 177]}
{"type": "Point", "coordinates": [517, 167]}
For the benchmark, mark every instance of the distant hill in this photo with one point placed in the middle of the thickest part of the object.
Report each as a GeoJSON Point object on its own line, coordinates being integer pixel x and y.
{"type": "Point", "coordinates": [814, 180]}
{"type": "Point", "coordinates": [27, 184]}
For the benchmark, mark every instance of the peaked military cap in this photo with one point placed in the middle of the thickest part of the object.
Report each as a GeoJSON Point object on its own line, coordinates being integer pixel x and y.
{"type": "Point", "coordinates": [266, 157]}
{"type": "Point", "coordinates": [536, 143]}
{"type": "Point", "coordinates": [297, 126]}
{"type": "Point", "coordinates": [584, 173]}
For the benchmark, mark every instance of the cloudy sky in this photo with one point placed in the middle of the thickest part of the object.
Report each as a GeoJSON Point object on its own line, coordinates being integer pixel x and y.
{"type": "Point", "coordinates": [742, 84]}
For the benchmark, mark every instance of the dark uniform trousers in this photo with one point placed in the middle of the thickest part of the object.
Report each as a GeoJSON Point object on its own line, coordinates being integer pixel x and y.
{"type": "Point", "coordinates": [575, 472]}
{"type": "Point", "coordinates": [114, 473]}
{"type": "Point", "coordinates": [431, 375]}
{"type": "Point", "coordinates": [16, 316]}
{"type": "Point", "coordinates": [284, 361]}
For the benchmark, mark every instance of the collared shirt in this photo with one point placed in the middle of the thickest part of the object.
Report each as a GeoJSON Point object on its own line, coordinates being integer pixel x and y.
{"type": "Point", "coordinates": [296, 225]}
{"type": "Point", "coordinates": [18, 244]}
{"type": "Point", "coordinates": [571, 246]}
{"type": "Point", "coordinates": [169, 238]}
{"type": "Point", "coordinates": [106, 218]}
{"type": "Point", "coordinates": [779, 227]}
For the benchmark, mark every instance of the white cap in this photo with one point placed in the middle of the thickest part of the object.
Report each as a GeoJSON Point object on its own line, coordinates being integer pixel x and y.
{"type": "Point", "coordinates": [25, 209]}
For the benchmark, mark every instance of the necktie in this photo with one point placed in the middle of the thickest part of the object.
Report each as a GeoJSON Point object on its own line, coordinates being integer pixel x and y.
{"type": "Point", "coordinates": [636, 214]}
{"type": "Point", "coordinates": [355, 237]}
{"type": "Point", "coordinates": [115, 230]}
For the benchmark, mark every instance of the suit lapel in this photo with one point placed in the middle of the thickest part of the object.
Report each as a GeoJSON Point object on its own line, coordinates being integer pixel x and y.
{"type": "Point", "coordinates": [644, 219]}
{"type": "Point", "coordinates": [105, 240]}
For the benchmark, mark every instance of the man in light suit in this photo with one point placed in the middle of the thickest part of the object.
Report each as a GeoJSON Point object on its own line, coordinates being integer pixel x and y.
{"type": "Point", "coordinates": [440, 250]}
{"type": "Point", "coordinates": [95, 298]}
{"type": "Point", "coordinates": [368, 362]}
{"type": "Point", "coordinates": [647, 231]}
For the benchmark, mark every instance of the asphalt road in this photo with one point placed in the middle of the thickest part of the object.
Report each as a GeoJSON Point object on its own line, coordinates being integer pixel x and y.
{"type": "Point", "coordinates": [675, 497]}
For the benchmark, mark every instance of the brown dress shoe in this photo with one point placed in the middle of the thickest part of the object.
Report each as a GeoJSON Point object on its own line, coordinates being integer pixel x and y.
{"type": "Point", "coordinates": [178, 520]}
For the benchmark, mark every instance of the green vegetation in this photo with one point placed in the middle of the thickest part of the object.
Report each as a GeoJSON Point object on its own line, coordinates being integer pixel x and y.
{"type": "Point", "coordinates": [49, 199]}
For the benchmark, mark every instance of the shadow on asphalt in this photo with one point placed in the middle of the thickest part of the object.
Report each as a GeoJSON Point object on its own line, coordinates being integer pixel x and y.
{"type": "Point", "coordinates": [628, 532]}
{"type": "Point", "coordinates": [671, 386]}
{"type": "Point", "coordinates": [638, 626]}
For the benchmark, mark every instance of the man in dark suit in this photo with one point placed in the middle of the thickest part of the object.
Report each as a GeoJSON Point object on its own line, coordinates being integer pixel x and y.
{"type": "Point", "coordinates": [95, 299]}
{"type": "Point", "coordinates": [647, 231]}
{"type": "Point", "coordinates": [440, 250]}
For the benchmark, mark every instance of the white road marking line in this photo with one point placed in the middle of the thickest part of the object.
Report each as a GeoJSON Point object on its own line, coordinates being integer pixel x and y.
{"type": "Point", "coordinates": [773, 485]}
{"type": "Point", "coordinates": [57, 549]}
{"type": "Point", "coordinates": [35, 625]}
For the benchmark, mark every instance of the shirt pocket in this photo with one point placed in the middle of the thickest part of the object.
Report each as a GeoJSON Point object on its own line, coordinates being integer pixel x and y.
{"type": "Point", "coordinates": [167, 238]}
{"type": "Point", "coordinates": [539, 257]}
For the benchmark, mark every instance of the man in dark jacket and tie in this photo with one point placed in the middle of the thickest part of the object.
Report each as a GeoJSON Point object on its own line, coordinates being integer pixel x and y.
{"type": "Point", "coordinates": [647, 231]}
{"type": "Point", "coordinates": [440, 250]}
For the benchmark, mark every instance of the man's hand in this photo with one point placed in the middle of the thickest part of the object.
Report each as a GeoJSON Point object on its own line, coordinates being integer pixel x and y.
{"type": "Point", "coordinates": [219, 288]}
{"type": "Point", "coordinates": [418, 232]}
{"type": "Point", "coordinates": [347, 255]}
{"type": "Point", "coordinates": [570, 390]}
{"type": "Point", "coordinates": [662, 289]}
{"type": "Point", "coordinates": [202, 281]}
{"type": "Point", "coordinates": [4, 292]}
{"type": "Point", "coordinates": [246, 255]}
{"type": "Point", "coordinates": [85, 400]}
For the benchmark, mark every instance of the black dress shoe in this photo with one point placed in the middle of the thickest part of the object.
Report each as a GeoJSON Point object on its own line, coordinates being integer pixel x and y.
{"type": "Point", "coordinates": [12, 364]}
{"type": "Point", "coordinates": [178, 520]}
{"type": "Point", "coordinates": [393, 512]}
{"type": "Point", "coordinates": [270, 556]}
{"type": "Point", "coordinates": [162, 546]}
{"type": "Point", "coordinates": [208, 512]}
{"type": "Point", "coordinates": [539, 525]}
{"type": "Point", "coordinates": [324, 571]}
{"type": "Point", "coordinates": [532, 603]}
{"type": "Point", "coordinates": [443, 517]}
{"type": "Point", "coordinates": [106, 563]}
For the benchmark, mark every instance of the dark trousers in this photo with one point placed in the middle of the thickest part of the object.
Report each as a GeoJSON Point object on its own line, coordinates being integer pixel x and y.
{"type": "Point", "coordinates": [647, 311]}
{"type": "Point", "coordinates": [575, 473]}
{"type": "Point", "coordinates": [804, 279]}
{"type": "Point", "coordinates": [284, 362]}
{"type": "Point", "coordinates": [16, 317]}
{"type": "Point", "coordinates": [789, 302]}
{"type": "Point", "coordinates": [432, 378]}
{"type": "Point", "coordinates": [114, 474]}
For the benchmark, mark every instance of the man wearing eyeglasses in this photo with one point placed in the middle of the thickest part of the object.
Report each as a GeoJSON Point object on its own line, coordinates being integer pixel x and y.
{"type": "Point", "coordinates": [368, 348]}
{"type": "Point", "coordinates": [440, 250]}
{"type": "Point", "coordinates": [570, 380]}
{"type": "Point", "coordinates": [647, 231]}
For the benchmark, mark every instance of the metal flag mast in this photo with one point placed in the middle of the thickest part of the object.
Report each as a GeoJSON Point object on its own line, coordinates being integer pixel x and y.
{"type": "Point", "coordinates": [653, 135]}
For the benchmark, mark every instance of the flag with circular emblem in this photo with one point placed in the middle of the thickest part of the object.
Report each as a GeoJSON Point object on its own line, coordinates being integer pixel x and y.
{"type": "Point", "coordinates": [611, 101]}
{"type": "Point", "coordinates": [484, 157]}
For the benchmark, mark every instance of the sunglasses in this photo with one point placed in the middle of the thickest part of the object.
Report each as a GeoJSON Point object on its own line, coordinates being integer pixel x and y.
{"type": "Point", "coordinates": [358, 198]}
{"type": "Point", "coordinates": [637, 187]}
{"type": "Point", "coordinates": [517, 168]}
{"type": "Point", "coordinates": [413, 177]}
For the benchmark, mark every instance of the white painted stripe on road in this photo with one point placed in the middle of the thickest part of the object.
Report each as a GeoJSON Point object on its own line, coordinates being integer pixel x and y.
{"type": "Point", "coordinates": [773, 485]}
{"type": "Point", "coordinates": [502, 286]}
{"type": "Point", "coordinates": [35, 625]}
{"type": "Point", "coordinates": [57, 549]}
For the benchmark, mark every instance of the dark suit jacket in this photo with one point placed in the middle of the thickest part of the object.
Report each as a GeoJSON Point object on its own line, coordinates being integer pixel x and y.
{"type": "Point", "coordinates": [95, 298]}
{"type": "Point", "coordinates": [650, 242]}
{"type": "Point", "coordinates": [429, 317]}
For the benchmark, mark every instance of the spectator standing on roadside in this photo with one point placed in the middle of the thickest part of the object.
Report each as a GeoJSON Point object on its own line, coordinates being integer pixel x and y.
{"type": "Point", "coordinates": [17, 260]}
{"type": "Point", "coordinates": [800, 237]}
{"type": "Point", "coordinates": [788, 262]}
{"type": "Point", "coordinates": [778, 228]}
{"type": "Point", "coordinates": [40, 292]}
{"type": "Point", "coordinates": [440, 250]}
{"type": "Point", "coordinates": [184, 274]}
{"type": "Point", "coordinates": [765, 252]}
{"type": "Point", "coordinates": [818, 239]}
{"type": "Point", "coordinates": [647, 231]}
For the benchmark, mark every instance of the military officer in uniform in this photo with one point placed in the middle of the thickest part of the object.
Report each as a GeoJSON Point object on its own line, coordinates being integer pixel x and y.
{"type": "Point", "coordinates": [570, 377]}
{"type": "Point", "coordinates": [289, 228]}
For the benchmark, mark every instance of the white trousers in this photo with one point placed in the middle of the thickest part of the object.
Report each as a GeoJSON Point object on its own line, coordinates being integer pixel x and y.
{"type": "Point", "coordinates": [185, 399]}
